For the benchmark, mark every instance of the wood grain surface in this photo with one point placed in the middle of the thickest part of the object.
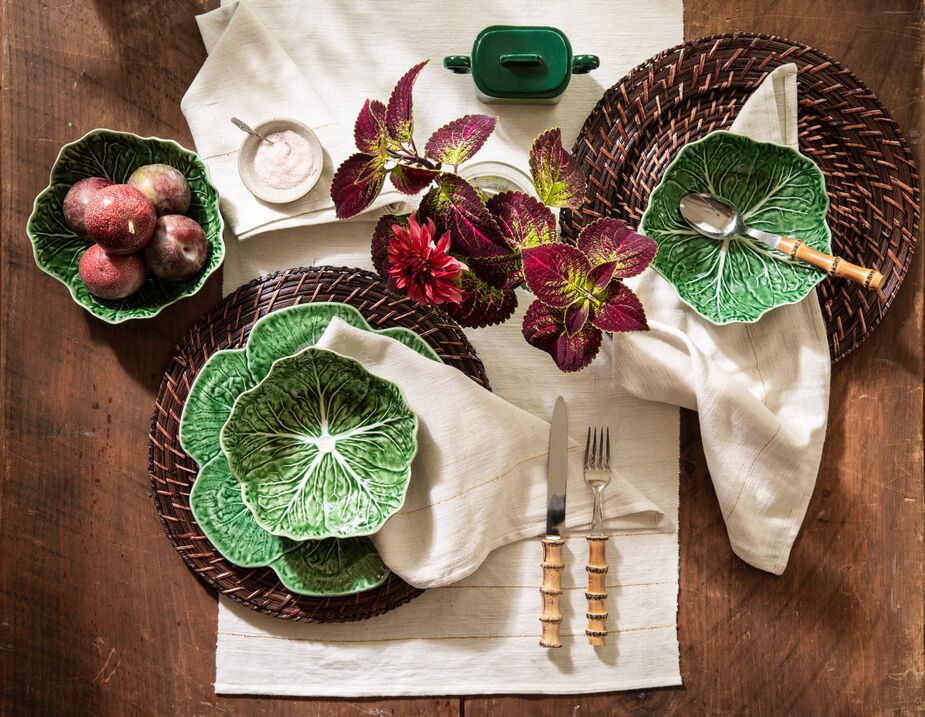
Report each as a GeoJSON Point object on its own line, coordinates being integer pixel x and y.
{"type": "Point", "coordinates": [98, 615]}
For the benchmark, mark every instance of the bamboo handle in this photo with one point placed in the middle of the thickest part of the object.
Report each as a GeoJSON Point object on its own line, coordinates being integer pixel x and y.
{"type": "Point", "coordinates": [551, 589]}
{"type": "Point", "coordinates": [597, 590]}
{"type": "Point", "coordinates": [834, 265]}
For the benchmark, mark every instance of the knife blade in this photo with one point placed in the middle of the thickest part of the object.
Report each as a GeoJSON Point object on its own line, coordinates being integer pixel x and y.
{"type": "Point", "coordinates": [557, 481]}
{"type": "Point", "coordinates": [557, 469]}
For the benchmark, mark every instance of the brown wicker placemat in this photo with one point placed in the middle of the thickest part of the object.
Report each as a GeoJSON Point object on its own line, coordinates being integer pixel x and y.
{"type": "Point", "coordinates": [227, 326]}
{"type": "Point", "coordinates": [690, 90]}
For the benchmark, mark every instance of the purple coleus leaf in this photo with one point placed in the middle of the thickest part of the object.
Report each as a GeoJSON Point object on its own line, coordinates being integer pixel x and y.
{"type": "Point", "coordinates": [545, 328]}
{"type": "Point", "coordinates": [504, 272]}
{"type": "Point", "coordinates": [524, 221]}
{"type": "Point", "coordinates": [382, 236]}
{"type": "Point", "coordinates": [411, 180]}
{"type": "Point", "coordinates": [459, 140]}
{"type": "Point", "coordinates": [618, 309]}
{"type": "Point", "coordinates": [356, 184]}
{"type": "Point", "coordinates": [556, 174]}
{"type": "Point", "coordinates": [557, 274]}
{"type": "Point", "coordinates": [612, 241]}
{"type": "Point", "coordinates": [399, 118]}
{"type": "Point", "coordinates": [482, 304]}
{"type": "Point", "coordinates": [369, 132]}
{"type": "Point", "coordinates": [456, 205]}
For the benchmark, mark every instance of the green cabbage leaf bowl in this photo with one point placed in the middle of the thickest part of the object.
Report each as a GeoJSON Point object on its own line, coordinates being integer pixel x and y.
{"type": "Point", "coordinates": [115, 155]}
{"type": "Point", "coordinates": [775, 189]}
{"type": "Point", "coordinates": [327, 567]}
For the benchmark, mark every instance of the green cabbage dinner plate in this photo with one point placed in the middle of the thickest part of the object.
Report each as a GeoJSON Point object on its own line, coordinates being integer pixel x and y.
{"type": "Point", "coordinates": [776, 189]}
{"type": "Point", "coordinates": [313, 567]}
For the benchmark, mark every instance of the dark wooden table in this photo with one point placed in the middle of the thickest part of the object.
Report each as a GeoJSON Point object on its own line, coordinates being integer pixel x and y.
{"type": "Point", "coordinates": [100, 616]}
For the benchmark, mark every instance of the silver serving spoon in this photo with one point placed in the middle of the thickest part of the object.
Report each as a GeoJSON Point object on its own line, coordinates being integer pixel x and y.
{"type": "Point", "coordinates": [244, 127]}
{"type": "Point", "coordinates": [715, 219]}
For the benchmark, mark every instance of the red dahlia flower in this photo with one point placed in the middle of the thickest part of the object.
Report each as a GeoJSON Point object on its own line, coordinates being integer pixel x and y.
{"type": "Point", "coordinates": [424, 270]}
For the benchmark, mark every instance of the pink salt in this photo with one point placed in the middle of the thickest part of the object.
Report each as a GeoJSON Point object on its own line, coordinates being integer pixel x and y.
{"type": "Point", "coordinates": [287, 162]}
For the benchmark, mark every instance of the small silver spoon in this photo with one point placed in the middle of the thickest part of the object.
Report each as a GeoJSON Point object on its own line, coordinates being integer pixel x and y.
{"type": "Point", "coordinates": [244, 127]}
{"type": "Point", "coordinates": [715, 219]}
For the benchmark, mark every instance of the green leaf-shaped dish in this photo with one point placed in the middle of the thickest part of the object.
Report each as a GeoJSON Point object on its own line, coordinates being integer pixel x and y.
{"type": "Point", "coordinates": [776, 189]}
{"type": "Point", "coordinates": [115, 155]}
{"type": "Point", "coordinates": [312, 567]}
{"type": "Point", "coordinates": [326, 567]}
{"type": "Point", "coordinates": [322, 447]}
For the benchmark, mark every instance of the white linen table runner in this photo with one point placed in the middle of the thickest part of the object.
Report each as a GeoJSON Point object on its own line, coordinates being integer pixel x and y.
{"type": "Point", "coordinates": [480, 635]}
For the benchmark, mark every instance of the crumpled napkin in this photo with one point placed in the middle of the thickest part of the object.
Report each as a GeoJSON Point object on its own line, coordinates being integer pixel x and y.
{"type": "Point", "coordinates": [479, 478]}
{"type": "Point", "coordinates": [761, 390]}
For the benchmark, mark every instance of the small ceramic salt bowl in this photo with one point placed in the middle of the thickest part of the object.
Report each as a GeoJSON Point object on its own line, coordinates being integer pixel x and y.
{"type": "Point", "coordinates": [252, 179]}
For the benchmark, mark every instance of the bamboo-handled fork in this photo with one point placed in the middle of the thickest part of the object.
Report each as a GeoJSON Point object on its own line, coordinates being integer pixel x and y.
{"type": "Point", "coordinates": [597, 476]}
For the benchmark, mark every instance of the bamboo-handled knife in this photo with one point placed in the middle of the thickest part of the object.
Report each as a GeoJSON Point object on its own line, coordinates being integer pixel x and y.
{"type": "Point", "coordinates": [557, 479]}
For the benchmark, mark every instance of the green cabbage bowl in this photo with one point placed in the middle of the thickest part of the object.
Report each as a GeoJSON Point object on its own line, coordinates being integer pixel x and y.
{"type": "Point", "coordinates": [115, 155]}
{"type": "Point", "coordinates": [776, 189]}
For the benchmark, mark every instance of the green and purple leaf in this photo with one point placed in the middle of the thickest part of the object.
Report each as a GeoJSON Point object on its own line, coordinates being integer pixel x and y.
{"type": "Point", "coordinates": [411, 180]}
{"type": "Point", "coordinates": [382, 236]}
{"type": "Point", "coordinates": [619, 310]}
{"type": "Point", "coordinates": [524, 221]}
{"type": "Point", "coordinates": [399, 117]}
{"type": "Point", "coordinates": [544, 328]}
{"type": "Point", "coordinates": [576, 316]}
{"type": "Point", "coordinates": [557, 274]}
{"type": "Point", "coordinates": [556, 174]}
{"type": "Point", "coordinates": [599, 277]}
{"type": "Point", "coordinates": [356, 184]}
{"type": "Point", "coordinates": [369, 132]}
{"type": "Point", "coordinates": [482, 304]}
{"type": "Point", "coordinates": [610, 240]}
{"type": "Point", "coordinates": [455, 205]}
{"type": "Point", "coordinates": [504, 272]}
{"type": "Point", "coordinates": [459, 140]}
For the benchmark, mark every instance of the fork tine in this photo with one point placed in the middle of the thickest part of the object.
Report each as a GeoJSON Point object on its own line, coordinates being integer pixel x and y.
{"type": "Point", "coordinates": [588, 447]}
{"type": "Point", "coordinates": [607, 460]}
{"type": "Point", "coordinates": [594, 451]}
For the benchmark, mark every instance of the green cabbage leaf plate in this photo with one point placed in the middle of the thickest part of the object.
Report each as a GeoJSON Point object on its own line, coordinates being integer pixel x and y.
{"type": "Point", "coordinates": [313, 567]}
{"type": "Point", "coordinates": [322, 447]}
{"type": "Point", "coordinates": [776, 189]}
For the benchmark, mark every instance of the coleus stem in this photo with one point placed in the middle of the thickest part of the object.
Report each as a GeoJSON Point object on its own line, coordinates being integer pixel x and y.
{"type": "Point", "coordinates": [406, 156]}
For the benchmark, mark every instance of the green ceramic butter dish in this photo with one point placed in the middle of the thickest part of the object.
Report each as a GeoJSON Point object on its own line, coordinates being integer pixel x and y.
{"type": "Point", "coordinates": [528, 64]}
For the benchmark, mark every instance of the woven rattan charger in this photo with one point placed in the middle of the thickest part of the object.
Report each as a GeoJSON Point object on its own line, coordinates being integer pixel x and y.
{"type": "Point", "coordinates": [690, 90]}
{"type": "Point", "coordinates": [227, 326]}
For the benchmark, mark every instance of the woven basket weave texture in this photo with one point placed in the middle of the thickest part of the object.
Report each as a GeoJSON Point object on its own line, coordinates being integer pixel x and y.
{"type": "Point", "coordinates": [227, 326]}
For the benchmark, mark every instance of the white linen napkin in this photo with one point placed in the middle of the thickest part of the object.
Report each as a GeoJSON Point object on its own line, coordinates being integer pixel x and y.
{"type": "Point", "coordinates": [248, 75]}
{"type": "Point", "coordinates": [761, 390]}
{"type": "Point", "coordinates": [479, 478]}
